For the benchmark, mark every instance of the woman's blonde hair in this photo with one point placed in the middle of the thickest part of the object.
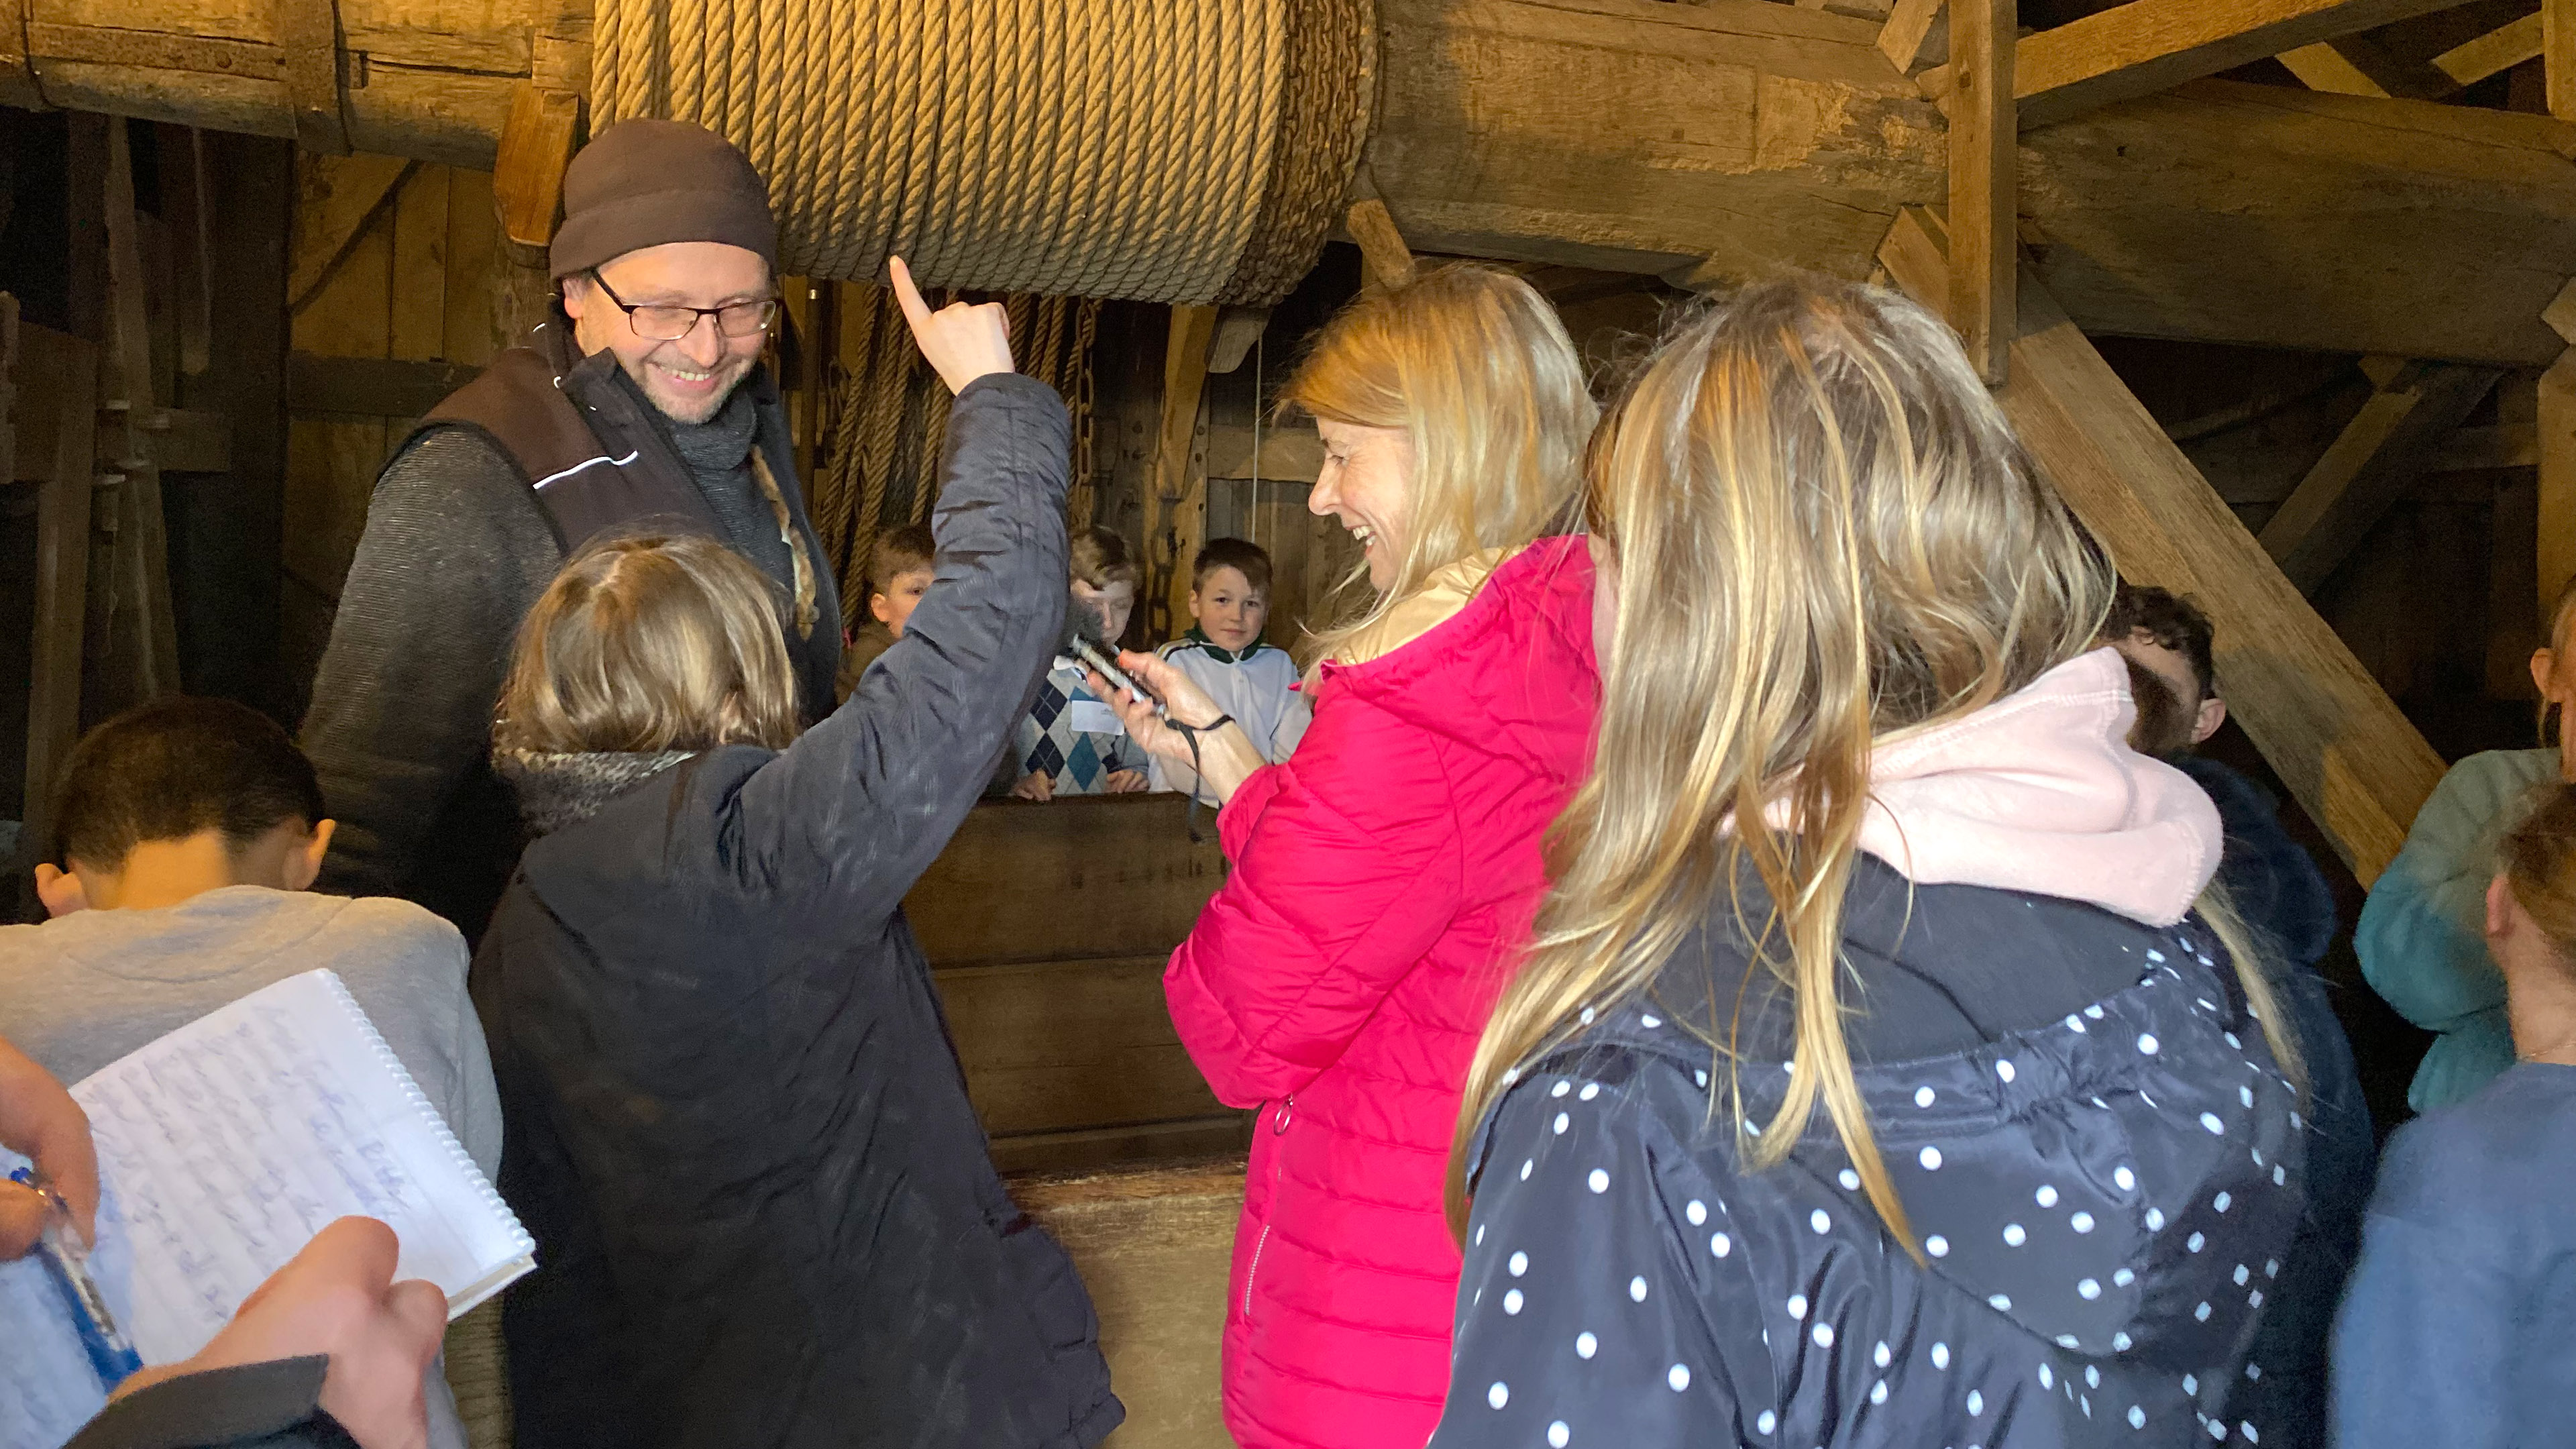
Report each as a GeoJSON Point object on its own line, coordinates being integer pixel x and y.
{"type": "Point", "coordinates": [2555, 638]}
{"type": "Point", "coordinates": [1826, 534]}
{"type": "Point", "coordinates": [645, 643]}
{"type": "Point", "coordinates": [1471, 363]}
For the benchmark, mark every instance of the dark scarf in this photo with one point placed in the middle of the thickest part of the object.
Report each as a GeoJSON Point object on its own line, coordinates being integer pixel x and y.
{"type": "Point", "coordinates": [559, 790]}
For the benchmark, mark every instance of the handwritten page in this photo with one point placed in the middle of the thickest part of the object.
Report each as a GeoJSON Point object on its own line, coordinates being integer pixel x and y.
{"type": "Point", "coordinates": [223, 1148]}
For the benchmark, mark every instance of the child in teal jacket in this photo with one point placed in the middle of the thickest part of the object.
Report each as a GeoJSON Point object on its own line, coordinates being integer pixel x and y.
{"type": "Point", "coordinates": [2422, 936]}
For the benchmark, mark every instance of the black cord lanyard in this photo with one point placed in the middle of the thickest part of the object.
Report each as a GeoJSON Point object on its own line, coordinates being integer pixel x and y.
{"type": "Point", "coordinates": [1191, 734]}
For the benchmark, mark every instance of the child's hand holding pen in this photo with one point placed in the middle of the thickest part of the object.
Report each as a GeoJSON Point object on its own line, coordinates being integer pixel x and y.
{"type": "Point", "coordinates": [40, 1119]}
{"type": "Point", "coordinates": [1166, 697]}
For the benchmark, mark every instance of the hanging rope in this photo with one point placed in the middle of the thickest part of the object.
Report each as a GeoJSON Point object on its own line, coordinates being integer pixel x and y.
{"type": "Point", "coordinates": [879, 468]}
{"type": "Point", "coordinates": [1186, 151]}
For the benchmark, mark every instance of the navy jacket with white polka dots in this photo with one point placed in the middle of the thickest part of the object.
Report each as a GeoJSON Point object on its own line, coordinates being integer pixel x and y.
{"type": "Point", "coordinates": [2102, 1201]}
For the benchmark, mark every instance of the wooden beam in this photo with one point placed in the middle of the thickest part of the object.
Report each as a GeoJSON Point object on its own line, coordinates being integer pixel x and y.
{"type": "Point", "coordinates": [1388, 260]}
{"type": "Point", "coordinates": [371, 386]}
{"type": "Point", "coordinates": [316, 75]}
{"type": "Point", "coordinates": [2558, 55]}
{"type": "Point", "coordinates": [536, 146]}
{"type": "Point", "coordinates": [1908, 26]}
{"type": "Point", "coordinates": [2500, 49]}
{"type": "Point", "coordinates": [2323, 723]}
{"type": "Point", "coordinates": [188, 205]}
{"type": "Point", "coordinates": [1664, 139]}
{"type": "Point", "coordinates": [2368, 466]}
{"type": "Point", "coordinates": [1176, 503]}
{"type": "Point", "coordinates": [356, 189]}
{"type": "Point", "coordinates": [1984, 254]}
{"type": "Point", "coordinates": [2325, 67]}
{"type": "Point", "coordinates": [2153, 45]}
{"type": "Point", "coordinates": [142, 552]}
{"type": "Point", "coordinates": [57, 383]}
{"type": "Point", "coordinates": [2469, 450]}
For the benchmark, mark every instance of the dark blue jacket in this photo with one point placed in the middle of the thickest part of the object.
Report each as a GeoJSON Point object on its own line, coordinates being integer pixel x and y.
{"type": "Point", "coordinates": [735, 1122]}
{"type": "Point", "coordinates": [2103, 1197]}
{"type": "Point", "coordinates": [2276, 887]}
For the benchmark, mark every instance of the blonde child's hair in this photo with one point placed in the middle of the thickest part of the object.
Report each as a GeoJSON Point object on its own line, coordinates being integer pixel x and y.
{"type": "Point", "coordinates": [1826, 534]}
{"type": "Point", "coordinates": [1472, 364]}
{"type": "Point", "coordinates": [1099, 557]}
{"type": "Point", "coordinates": [645, 643]}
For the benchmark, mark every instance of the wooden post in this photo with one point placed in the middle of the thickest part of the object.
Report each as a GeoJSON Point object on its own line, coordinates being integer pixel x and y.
{"type": "Point", "coordinates": [2342, 746]}
{"type": "Point", "coordinates": [1176, 503]}
{"type": "Point", "coordinates": [57, 392]}
{"type": "Point", "coordinates": [1984, 253]}
{"type": "Point", "coordinates": [128, 405]}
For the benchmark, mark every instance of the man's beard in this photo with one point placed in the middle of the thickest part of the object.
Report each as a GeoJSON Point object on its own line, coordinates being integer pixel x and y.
{"type": "Point", "coordinates": [690, 410]}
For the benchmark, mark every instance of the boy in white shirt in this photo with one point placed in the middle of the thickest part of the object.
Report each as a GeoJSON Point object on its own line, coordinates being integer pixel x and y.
{"type": "Point", "coordinates": [1223, 654]}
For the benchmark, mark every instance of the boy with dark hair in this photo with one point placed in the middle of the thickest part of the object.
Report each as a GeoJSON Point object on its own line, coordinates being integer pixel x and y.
{"type": "Point", "coordinates": [2275, 886]}
{"type": "Point", "coordinates": [900, 568]}
{"type": "Point", "coordinates": [1254, 683]}
{"type": "Point", "coordinates": [186, 833]}
{"type": "Point", "coordinates": [1070, 743]}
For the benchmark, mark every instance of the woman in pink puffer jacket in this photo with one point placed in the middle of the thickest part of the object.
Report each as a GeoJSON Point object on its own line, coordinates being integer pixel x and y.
{"type": "Point", "coordinates": [1385, 875]}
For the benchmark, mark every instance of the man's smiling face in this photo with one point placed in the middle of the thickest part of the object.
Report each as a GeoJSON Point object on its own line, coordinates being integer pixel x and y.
{"type": "Point", "coordinates": [688, 378]}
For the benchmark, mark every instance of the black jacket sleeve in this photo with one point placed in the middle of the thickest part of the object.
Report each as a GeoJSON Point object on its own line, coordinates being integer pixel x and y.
{"type": "Point", "coordinates": [273, 1405]}
{"type": "Point", "coordinates": [454, 552]}
{"type": "Point", "coordinates": [845, 819]}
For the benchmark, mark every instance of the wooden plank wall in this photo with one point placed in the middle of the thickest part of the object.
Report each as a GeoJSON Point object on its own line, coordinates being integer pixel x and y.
{"type": "Point", "coordinates": [1047, 928]}
{"type": "Point", "coordinates": [408, 280]}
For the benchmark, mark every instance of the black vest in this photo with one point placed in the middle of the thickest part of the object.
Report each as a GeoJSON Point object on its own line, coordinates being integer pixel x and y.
{"type": "Point", "coordinates": [599, 459]}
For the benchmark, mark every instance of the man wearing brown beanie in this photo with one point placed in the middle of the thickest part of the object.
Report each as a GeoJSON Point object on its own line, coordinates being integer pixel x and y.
{"type": "Point", "coordinates": [642, 401]}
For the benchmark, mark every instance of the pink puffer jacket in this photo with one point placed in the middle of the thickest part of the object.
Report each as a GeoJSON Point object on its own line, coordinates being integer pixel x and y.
{"type": "Point", "coordinates": [1383, 879]}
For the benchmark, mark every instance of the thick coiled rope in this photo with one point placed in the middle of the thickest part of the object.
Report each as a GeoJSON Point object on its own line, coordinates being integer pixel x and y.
{"type": "Point", "coordinates": [1181, 151]}
{"type": "Point", "coordinates": [879, 468]}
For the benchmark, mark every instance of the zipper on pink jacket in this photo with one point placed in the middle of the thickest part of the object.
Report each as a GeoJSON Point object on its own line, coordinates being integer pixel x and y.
{"type": "Point", "coordinates": [1278, 1125]}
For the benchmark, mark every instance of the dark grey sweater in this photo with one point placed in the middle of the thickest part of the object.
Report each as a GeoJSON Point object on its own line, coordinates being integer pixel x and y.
{"type": "Point", "coordinates": [456, 550]}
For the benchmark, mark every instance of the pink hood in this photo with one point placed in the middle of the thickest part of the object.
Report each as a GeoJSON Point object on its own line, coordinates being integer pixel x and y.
{"type": "Point", "coordinates": [2040, 792]}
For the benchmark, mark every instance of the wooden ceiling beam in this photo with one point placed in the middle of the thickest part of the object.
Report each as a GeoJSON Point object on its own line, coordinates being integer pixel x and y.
{"type": "Point", "coordinates": [2152, 45]}
{"type": "Point", "coordinates": [2384, 449]}
{"type": "Point", "coordinates": [1715, 143]}
{"type": "Point", "coordinates": [2337, 740]}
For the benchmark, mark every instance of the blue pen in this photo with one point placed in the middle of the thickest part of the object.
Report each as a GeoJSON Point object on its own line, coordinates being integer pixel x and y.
{"type": "Point", "coordinates": [109, 1352]}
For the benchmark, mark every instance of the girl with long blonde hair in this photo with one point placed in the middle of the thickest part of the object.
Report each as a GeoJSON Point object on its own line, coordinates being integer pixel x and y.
{"type": "Point", "coordinates": [1384, 871]}
{"type": "Point", "coordinates": [1876, 1075]}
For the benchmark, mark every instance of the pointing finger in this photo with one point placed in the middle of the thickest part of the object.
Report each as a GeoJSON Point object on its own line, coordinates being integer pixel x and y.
{"type": "Point", "coordinates": [906, 295]}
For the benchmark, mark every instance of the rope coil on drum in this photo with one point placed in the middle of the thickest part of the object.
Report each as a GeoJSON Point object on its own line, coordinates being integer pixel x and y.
{"type": "Point", "coordinates": [1179, 151]}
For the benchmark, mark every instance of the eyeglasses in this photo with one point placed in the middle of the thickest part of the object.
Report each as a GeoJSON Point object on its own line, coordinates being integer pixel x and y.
{"type": "Point", "coordinates": [660, 323]}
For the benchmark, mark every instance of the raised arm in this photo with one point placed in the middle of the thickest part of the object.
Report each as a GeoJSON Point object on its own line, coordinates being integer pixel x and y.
{"type": "Point", "coordinates": [859, 806]}
{"type": "Point", "coordinates": [1347, 866]}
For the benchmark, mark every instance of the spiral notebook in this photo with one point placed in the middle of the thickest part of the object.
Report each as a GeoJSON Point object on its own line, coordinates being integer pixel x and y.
{"type": "Point", "coordinates": [223, 1148]}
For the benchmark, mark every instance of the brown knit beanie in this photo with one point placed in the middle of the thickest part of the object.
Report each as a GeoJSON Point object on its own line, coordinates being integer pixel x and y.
{"type": "Point", "coordinates": [642, 183]}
